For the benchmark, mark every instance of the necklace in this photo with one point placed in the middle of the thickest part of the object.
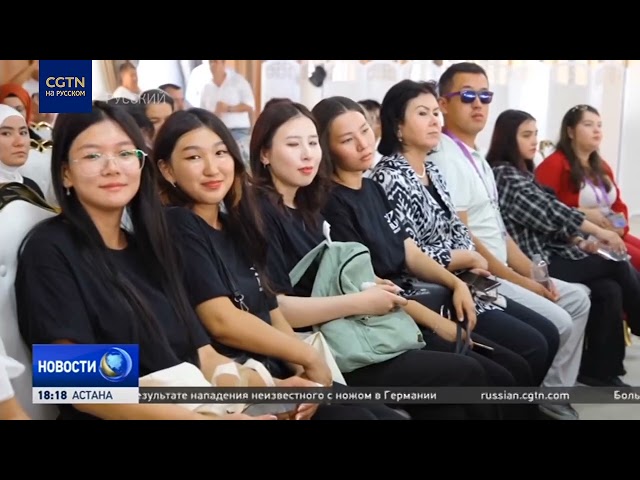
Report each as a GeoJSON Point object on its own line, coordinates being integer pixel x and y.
{"type": "Point", "coordinates": [424, 172]}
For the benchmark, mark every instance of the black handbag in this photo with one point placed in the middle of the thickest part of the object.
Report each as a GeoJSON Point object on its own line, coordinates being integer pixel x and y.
{"type": "Point", "coordinates": [435, 297]}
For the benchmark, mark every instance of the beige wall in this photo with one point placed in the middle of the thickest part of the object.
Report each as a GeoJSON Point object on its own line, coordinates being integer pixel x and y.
{"type": "Point", "coordinates": [15, 70]}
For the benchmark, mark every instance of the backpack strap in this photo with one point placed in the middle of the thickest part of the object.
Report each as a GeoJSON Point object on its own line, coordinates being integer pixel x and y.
{"type": "Point", "coordinates": [303, 265]}
{"type": "Point", "coordinates": [462, 345]}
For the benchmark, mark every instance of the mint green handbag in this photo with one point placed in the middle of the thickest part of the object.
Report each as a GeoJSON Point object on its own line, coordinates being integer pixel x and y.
{"type": "Point", "coordinates": [360, 340]}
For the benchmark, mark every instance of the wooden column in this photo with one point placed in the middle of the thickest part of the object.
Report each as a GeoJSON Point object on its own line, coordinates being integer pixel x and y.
{"type": "Point", "coordinates": [252, 71]}
{"type": "Point", "coordinates": [17, 71]}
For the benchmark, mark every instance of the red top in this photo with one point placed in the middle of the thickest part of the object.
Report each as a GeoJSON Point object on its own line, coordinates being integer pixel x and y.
{"type": "Point", "coordinates": [555, 172]}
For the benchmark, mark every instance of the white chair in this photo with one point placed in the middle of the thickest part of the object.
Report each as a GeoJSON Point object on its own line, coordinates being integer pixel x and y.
{"type": "Point", "coordinates": [38, 169]}
{"type": "Point", "coordinates": [17, 219]}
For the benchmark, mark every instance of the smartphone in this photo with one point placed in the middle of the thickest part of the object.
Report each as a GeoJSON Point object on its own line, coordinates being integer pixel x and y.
{"type": "Point", "coordinates": [483, 349]}
{"type": "Point", "coordinates": [478, 282]}
{"type": "Point", "coordinates": [284, 411]}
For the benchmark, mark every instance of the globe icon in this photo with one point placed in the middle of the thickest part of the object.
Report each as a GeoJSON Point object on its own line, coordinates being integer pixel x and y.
{"type": "Point", "coordinates": [115, 365]}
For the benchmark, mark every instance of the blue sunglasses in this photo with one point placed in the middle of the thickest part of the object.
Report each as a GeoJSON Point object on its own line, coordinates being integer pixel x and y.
{"type": "Point", "coordinates": [469, 96]}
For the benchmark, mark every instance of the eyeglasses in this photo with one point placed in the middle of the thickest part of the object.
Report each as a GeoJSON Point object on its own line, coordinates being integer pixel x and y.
{"type": "Point", "coordinates": [469, 96]}
{"type": "Point", "coordinates": [93, 164]}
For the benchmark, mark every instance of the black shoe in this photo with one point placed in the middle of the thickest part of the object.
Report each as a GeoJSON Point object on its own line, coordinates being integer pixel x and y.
{"type": "Point", "coordinates": [617, 382]}
{"type": "Point", "coordinates": [602, 382]}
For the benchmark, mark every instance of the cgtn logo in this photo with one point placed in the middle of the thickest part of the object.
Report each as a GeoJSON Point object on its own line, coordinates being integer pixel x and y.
{"type": "Point", "coordinates": [65, 86]}
{"type": "Point", "coordinates": [85, 374]}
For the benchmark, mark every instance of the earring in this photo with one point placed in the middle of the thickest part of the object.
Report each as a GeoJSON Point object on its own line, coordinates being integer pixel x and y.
{"type": "Point", "coordinates": [68, 192]}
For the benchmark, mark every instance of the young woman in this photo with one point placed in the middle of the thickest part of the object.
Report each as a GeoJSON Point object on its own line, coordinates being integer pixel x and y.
{"type": "Point", "coordinates": [82, 279]}
{"type": "Point", "coordinates": [289, 175]}
{"type": "Point", "coordinates": [541, 224]}
{"type": "Point", "coordinates": [38, 164]}
{"type": "Point", "coordinates": [13, 95]}
{"type": "Point", "coordinates": [358, 210]}
{"type": "Point", "coordinates": [157, 105]}
{"type": "Point", "coordinates": [582, 179]}
{"type": "Point", "coordinates": [14, 148]}
{"type": "Point", "coordinates": [202, 169]}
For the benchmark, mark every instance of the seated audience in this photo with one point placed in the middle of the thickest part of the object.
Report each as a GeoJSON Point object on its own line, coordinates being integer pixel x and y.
{"type": "Point", "coordinates": [359, 211]}
{"type": "Point", "coordinates": [202, 168]}
{"type": "Point", "coordinates": [540, 224]}
{"type": "Point", "coordinates": [464, 102]}
{"type": "Point", "coordinates": [291, 181]}
{"type": "Point", "coordinates": [83, 279]}
{"type": "Point", "coordinates": [421, 201]}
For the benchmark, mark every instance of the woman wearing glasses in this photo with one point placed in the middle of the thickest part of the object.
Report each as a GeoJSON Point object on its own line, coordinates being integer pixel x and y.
{"type": "Point", "coordinates": [83, 279]}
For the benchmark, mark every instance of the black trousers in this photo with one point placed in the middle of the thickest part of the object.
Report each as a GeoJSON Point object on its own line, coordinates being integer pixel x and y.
{"type": "Point", "coordinates": [357, 412]}
{"type": "Point", "coordinates": [524, 332]}
{"type": "Point", "coordinates": [526, 342]}
{"type": "Point", "coordinates": [424, 368]}
{"type": "Point", "coordinates": [502, 367]}
{"type": "Point", "coordinates": [615, 290]}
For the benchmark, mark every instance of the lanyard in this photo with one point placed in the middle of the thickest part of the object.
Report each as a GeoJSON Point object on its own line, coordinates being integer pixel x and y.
{"type": "Point", "coordinates": [604, 201]}
{"type": "Point", "coordinates": [492, 196]}
{"type": "Point", "coordinates": [493, 199]}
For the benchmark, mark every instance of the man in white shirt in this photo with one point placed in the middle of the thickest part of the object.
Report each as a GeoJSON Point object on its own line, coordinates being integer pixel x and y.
{"type": "Point", "coordinates": [129, 87]}
{"type": "Point", "coordinates": [230, 96]}
{"type": "Point", "coordinates": [198, 78]}
{"type": "Point", "coordinates": [464, 102]}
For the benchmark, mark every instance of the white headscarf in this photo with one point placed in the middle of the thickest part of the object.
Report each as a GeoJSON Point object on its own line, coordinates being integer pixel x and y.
{"type": "Point", "coordinates": [7, 173]}
{"type": "Point", "coordinates": [9, 369]}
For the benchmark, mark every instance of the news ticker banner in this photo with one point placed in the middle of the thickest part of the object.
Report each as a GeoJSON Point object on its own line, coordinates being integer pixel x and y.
{"type": "Point", "coordinates": [65, 86]}
{"type": "Point", "coordinates": [85, 374]}
{"type": "Point", "coordinates": [75, 374]}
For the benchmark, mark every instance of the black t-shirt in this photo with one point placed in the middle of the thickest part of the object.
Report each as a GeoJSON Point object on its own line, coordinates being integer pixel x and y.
{"type": "Point", "coordinates": [203, 250]}
{"type": "Point", "coordinates": [60, 297]}
{"type": "Point", "coordinates": [290, 239]}
{"type": "Point", "coordinates": [367, 216]}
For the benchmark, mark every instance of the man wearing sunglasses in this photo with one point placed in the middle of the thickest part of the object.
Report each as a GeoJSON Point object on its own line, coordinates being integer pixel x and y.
{"type": "Point", "coordinates": [464, 101]}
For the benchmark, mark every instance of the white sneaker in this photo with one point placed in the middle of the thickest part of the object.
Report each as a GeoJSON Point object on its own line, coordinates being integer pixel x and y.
{"type": "Point", "coordinates": [559, 411]}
